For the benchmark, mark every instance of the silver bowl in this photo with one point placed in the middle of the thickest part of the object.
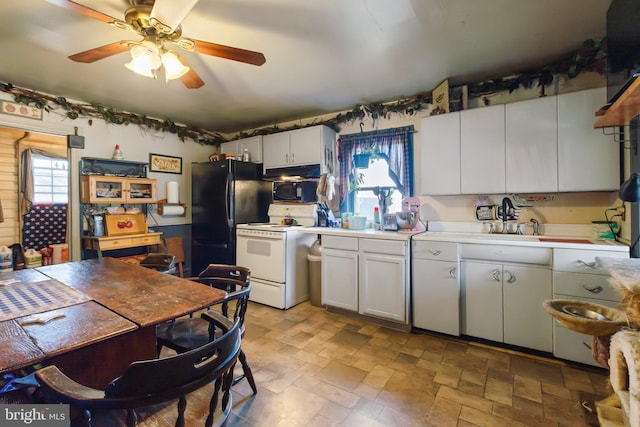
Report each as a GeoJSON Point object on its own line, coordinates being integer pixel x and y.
{"type": "Point", "coordinates": [583, 312]}
{"type": "Point", "coordinates": [406, 220]}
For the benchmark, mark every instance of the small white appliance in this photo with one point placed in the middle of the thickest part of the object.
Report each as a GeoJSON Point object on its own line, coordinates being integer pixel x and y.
{"type": "Point", "coordinates": [412, 204]}
{"type": "Point", "coordinates": [276, 254]}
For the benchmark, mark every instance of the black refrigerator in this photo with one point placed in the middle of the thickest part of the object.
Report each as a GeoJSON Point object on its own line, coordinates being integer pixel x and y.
{"type": "Point", "coordinates": [224, 193]}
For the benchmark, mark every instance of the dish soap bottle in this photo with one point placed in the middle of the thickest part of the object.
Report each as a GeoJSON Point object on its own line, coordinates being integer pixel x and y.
{"type": "Point", "coordinates": [117, 153]}
{"type": "Point", "coordinates": [376, 219]}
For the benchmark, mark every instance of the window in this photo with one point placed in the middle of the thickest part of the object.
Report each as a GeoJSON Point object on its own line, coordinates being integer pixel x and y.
{"type": "Point", "coordinates": [376, 179]}
{"type": "Point", "coordinates": [50, 180]}
{"type": "Point", "coordinates": [390, 170]}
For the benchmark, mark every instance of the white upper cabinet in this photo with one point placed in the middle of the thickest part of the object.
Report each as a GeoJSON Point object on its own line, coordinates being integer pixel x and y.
{"type": "Point", "coordinates": [588, 160]}
{"type": "Point", "coordinates": [440, 154]}
{"type": "Point", "coordinates": [545, 144]}
{"type": "Point", "coordinates": [532, 146]}
{"type": "Point", "coordinates": [253, 144]}
{"type": "Point", "coordinates": [306, 146]}
{"type": "Point", "coordinates": [276, 150]}
{"type": "Point", "coordinates": [482, 150]}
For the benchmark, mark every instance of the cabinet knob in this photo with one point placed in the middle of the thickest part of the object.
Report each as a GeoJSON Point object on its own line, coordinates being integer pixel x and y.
{"type": "Point", "coordinates": [496, 275]}
{"type": "Point", "coordinates": [452, 272]}
{"type": "Point", "coordinates": [434, 253]}
{"type": "Point", "coordinates": [512, 277]}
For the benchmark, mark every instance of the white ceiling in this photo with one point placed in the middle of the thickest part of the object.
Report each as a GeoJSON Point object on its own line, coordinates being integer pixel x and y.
{"type": "Point", "coordinates": [322, 56]}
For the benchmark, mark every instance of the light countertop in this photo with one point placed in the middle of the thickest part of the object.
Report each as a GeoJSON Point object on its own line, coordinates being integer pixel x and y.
{"type": "Point", "coordinates": [367, 233]}
{"type": "Point", "coordinates": [567, 242]}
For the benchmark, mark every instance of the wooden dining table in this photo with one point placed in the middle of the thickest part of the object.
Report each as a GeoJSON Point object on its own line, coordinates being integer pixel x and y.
{"type": "Point", "coordinates": [90, 318]}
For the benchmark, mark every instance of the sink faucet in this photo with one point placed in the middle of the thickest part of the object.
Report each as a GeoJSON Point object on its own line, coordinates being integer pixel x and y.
{"type": "Point", "coordinates": [536, 226]}
{"type": "Point", "coordinates": [507, 208]}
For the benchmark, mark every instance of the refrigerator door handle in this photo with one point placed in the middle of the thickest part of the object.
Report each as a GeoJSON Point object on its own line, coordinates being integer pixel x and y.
{"type": "Point", "coordinates": [229, 201]}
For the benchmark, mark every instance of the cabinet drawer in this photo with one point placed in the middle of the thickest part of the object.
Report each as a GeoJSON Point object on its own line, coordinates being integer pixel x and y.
{"type": "Point", "coordinates": [115, 244]}
{"type": "Point", "coordinates": [505, 253]}
{"type": "Point", "coordinates": [378, 246]}
{"type": "Point", "coordinates": [572, 345]}
{"type": "Point", "coordinates": [338, 242]}
{"type": "Point", "coordinates": [440, 251]}
{"type": "Point", "coordinates": [582, 261]}
{"type": "Point", "coordinates": [583, 285]}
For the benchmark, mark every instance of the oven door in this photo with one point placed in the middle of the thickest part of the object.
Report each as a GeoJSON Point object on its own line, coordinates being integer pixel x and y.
{"type": "Point", "coordinates": [263, 252]}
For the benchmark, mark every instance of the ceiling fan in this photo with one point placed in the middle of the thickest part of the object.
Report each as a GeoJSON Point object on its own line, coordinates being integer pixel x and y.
{"type": "Point", "coordinates": [158, 22]}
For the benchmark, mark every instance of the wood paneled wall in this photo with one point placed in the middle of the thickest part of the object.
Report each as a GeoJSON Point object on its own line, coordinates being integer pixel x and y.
{"type": "Point", "coordinates": [9, 155]}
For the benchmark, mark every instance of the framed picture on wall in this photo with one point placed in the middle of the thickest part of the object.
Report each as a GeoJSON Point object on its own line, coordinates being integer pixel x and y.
{"type": "Point", "coordinates": [167, 164]}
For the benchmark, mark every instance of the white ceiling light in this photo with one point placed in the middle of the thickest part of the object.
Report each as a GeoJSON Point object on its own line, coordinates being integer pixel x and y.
{"type": "Point", "coordinates": [173, 68]}
{"type": "Point", "coordinates": [145, 59]}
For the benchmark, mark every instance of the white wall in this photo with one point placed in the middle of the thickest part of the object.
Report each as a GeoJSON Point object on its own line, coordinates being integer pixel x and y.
{"type": "Point", "coordinates": [135, 143]}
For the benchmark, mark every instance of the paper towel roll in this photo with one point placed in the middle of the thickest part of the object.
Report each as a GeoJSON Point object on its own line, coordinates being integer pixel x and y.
{"type": "Point", "coordinates": [173, 210]}
{"type": "Point", "coordinates": [173, 192]}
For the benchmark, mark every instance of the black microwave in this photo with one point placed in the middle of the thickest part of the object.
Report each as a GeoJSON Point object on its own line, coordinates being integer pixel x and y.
{"type": "Point", "coordinates": [295, 191]}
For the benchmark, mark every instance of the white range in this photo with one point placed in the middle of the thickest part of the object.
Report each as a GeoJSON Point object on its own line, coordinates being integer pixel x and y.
{"type": "Point", "coordinates": [276, 254]}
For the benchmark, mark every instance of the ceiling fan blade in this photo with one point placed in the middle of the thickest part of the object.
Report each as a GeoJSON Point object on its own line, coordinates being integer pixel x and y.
{"type": "Point", "coordinates": [227, 52]}
{"type": "Point", "coordinates": [86, 11]}
{"type": "Point", "coordinates": [191, 80]}
{"type": "Point", "coordinates": [92, 55]}
{"type": "Point", "coordinates": [168, 14]}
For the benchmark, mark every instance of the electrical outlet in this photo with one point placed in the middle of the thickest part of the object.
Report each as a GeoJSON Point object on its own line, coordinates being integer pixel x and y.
{"type": "Point", "coordinates": [623, 211]}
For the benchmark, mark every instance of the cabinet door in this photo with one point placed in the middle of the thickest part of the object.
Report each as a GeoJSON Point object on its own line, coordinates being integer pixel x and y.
{"type": "Point", "coordinates": [588, 160]}
{"type": "Point", "coordinates": [440, 154]}
{"type": "Point", "coordinates": [532, 145]}
{"type": "Point", "coordinates": [275, 150]}
{"type": "Point", "coordinates": [231, 147]}
{"type": "Point", "coordinates": [436, 296]}
{"type": "Point", "coordinates": [383, 286]}
{"type": "Point", "coordinates": [254, 145]}
{"type": "Point", "coordinates": [482, 150]}
{"type": "Point", "coordinates": [340, 278]}
{"type": "Point", "coordinates": [140, 190]}
{"type": "Point", "coordinates": [103, 189]}
{"type": "Point", "coordinates": [482, 300]}
{"type": "Point", "coordinates": [526, 323]}
{"type": "Point", "coordinates": [306, 146]}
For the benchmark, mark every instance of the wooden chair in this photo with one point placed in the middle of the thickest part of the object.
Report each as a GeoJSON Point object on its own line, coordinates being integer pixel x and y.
{"type": "Point", "coordinates": [150, 382]}
{"type": "Point", "coordinates": [164, 263]}
{"type": "Point", "coordinates": [188, 333]}
{"type": "Point", "coordinates": [174, 247]}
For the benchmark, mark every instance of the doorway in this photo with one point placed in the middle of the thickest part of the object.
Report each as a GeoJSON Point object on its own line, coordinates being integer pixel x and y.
{"type": "Point", "coordinates": [28, 220]}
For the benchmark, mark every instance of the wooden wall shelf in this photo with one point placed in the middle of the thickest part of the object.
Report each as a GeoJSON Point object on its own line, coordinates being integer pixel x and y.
{"type": "Point", "coordinates": [625, 108]}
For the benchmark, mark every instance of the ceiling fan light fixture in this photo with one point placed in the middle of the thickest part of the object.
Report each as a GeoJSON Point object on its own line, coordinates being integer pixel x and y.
{"type": "Point", "coordinates": [173, 68]}
{"type": "Point", "coordinates": [141, 66]}
{"type": "Point", "coordinates": [145, 59]}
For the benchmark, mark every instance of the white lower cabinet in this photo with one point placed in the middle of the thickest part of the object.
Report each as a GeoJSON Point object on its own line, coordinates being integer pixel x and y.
{"type": "Point", "coordinates": [435, 288]}
{"type": "Point", "coordinates": [382, 287]}
{"type": "Point", "coordinates": [577, 276]}
{"type": "Point", "coordinates": [366, 275]}
{"type": "Point", "coordinates": [340, 272]}
{"type": "Point", "coordinates": [502, 301]}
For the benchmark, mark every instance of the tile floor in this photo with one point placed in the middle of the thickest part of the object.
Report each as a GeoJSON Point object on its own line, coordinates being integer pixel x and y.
{"type": "Point", "coordinates": [313, 368]}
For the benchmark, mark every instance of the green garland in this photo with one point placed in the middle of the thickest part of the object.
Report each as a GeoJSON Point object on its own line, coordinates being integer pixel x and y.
{"type": "Point", "coordinates": [73, 110]}
{"type": "Point", "coordinates": [590, 57]}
